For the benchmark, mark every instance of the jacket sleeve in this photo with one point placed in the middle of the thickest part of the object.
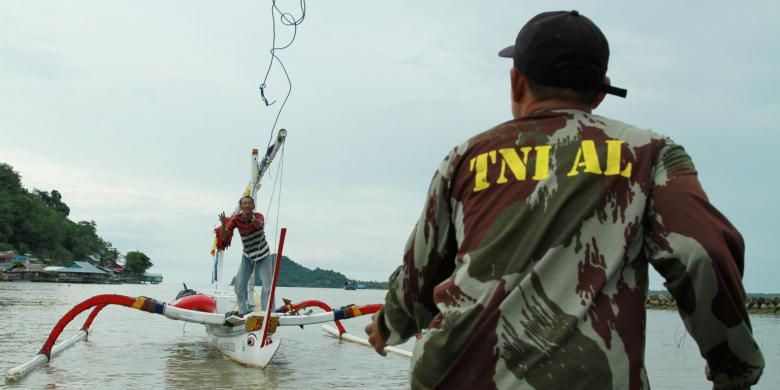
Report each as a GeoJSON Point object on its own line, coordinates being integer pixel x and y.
{"type": "Point", "coordinates": [231, 223]}
{"type": "Point", "coordinates": [428, 260]}
{"type": "Point", "coordinates": [701, 257]}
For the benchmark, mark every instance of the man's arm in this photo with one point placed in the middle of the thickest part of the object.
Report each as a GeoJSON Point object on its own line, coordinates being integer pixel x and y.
{"type": "Point", "coordinates": [428, 260]}
{"type": "Point", "coordinates": [227, 225]}
{"type": "Point", "coordinates": [701, 256]}
{"type": "Point", "coordinates": [258, 221]}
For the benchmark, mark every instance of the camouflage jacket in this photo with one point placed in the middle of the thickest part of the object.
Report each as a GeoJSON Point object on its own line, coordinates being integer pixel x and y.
{"type": "Point", "coordinates": [528, 266]}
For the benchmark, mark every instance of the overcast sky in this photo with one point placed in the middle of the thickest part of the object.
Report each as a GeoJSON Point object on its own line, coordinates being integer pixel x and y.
{"type": "Point", "coordinates": [142, 114]}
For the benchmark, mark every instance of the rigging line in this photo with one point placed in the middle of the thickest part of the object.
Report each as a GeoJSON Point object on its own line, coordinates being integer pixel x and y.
{"type": "Point", "coordinates": [273, 192]}
{"type": "Point", "coordinates": [286, 19]}
{"type": "Point", "coordinates": [280, 176]}
{"type": "Point", "coordinates": [273, 188]}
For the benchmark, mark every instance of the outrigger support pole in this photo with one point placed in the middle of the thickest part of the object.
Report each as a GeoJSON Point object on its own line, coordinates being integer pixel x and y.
{"type": "Point", "coordinates": [344, 336]}
{"type": "Point", "coordinates": [290, 308]}
{"type": "Point", "coordinates": [49, 350]}
{"type": "Point", "coordinates": [98, 301]}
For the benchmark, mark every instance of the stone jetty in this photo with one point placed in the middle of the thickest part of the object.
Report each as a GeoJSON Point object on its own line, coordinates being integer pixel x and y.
{"type": "Point", "coordinates": [763, 305]}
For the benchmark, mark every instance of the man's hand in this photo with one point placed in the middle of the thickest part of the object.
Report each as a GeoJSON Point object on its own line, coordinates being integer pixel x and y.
{"type": "Point", "coordinates": [376, 337]}
{"type": "Point", "coordinates": [258, 223]}
{"type": "Point", "coordinates": [223, 220]}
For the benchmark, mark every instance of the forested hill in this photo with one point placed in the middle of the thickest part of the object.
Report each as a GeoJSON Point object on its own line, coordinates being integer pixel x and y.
{"type": "Point", "coordinates": [292, 274]}
{"type": "Point", "coordinates": [36, 222]}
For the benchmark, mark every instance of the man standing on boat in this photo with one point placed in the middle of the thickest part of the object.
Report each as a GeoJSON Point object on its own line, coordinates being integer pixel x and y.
{"type": "Point", "coordinates": [256, 258]}
{"type": "Point", "coordinates": [528, 267]}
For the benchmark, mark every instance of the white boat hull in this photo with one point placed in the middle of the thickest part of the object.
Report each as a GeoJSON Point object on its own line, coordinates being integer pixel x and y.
{"type": "Point", "coordinates": [242, 346]}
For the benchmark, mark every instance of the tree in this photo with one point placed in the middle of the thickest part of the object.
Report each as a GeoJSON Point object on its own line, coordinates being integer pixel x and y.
{"type": "Point", "coordinates": [82, 239]}
{"type": "Point", "coordinates": [107, 255]}
{"type": "Point", "coordinates": [10, 180]}
{"type": "Point", "coordinates": [137, 262]}
{"type": "Point", "coordinates": [53, 201]}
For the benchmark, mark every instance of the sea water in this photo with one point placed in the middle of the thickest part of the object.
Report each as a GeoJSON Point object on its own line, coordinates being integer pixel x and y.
{"type": "Point", "coordinates": [130, 349]}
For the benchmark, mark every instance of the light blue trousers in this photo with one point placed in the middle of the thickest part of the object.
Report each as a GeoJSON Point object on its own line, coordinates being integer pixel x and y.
{"type": "Point", "coordinates": [248, 270]}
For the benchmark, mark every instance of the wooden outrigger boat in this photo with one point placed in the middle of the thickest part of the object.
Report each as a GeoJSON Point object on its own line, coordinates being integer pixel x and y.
{"type": "Point", "coordinates": [251, 340]}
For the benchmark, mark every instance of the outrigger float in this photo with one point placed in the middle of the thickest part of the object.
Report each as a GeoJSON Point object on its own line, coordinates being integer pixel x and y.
{"type": "Point", "coordinates": [252, 340]}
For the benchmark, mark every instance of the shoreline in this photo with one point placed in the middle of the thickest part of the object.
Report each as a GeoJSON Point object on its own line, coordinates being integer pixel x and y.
{"type": "Point", "coordinates": [769, 304]}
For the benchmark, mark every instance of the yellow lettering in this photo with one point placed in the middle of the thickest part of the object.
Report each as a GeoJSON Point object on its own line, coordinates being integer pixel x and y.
{"type": "Point", "coordinates": [587, 158]}
{"type": "Point", "coordinates": [626, 172]}
{"type": "Point", "coordinates": [479, 164]}
{"type": "Point", "coordinates": [542, 170]}
{"type": "Point", "coordinates": [614, 149]}
{"type": "Point", "coordinates": [516, 165]}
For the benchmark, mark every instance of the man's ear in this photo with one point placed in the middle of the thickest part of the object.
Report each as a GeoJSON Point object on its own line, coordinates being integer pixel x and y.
{"type": "Point", "coordinates": [600, 97]}
{"type": "Point", "coordinates": [519, 81]}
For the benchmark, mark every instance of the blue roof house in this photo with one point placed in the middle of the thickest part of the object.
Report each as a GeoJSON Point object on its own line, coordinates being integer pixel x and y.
{"type": "Point", "coordinates": [82, 272]}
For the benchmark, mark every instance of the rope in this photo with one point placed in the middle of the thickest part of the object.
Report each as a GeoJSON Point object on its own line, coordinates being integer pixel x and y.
{"type": "Point", "coordinates": [280, 176]}
{"type": "Point", "coordinates": [288, 20]}
{"type": "Point", "coordinates": [278, 180]}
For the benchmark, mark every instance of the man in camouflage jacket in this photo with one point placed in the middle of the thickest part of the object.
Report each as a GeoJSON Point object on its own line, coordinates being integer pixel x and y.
{"type": "Point", "coordinates": [528, 267]}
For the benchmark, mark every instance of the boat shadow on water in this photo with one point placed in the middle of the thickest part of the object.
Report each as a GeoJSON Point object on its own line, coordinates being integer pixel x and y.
{"type": "Point", "coordinates": [199, 362]}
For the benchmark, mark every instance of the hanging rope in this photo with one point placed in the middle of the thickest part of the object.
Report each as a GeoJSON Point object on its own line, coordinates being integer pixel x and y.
{"type": "Point", "coordinates": [288, 20]}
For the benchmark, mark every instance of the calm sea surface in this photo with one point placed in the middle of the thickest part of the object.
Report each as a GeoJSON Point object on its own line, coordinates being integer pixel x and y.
{"type": "Point", "coordinates": [133, 349]}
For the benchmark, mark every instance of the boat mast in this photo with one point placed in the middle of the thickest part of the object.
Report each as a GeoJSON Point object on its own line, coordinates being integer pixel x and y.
{"type": "Point", "coordinates": [258, 168]}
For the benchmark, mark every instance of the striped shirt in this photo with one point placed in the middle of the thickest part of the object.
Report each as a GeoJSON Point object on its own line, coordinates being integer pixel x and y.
{"type": "Point", "coordinates": [253, 238]}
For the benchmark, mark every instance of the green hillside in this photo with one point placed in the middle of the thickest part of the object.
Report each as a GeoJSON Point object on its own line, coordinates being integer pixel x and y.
{"type": "Point", "coordinates": [293, 274]}
{"type": "Point", "coordinates": [36, 222]}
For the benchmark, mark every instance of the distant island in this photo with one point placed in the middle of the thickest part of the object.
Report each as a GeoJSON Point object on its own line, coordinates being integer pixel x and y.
{"type": "Point", "coordinates": [292, 274]}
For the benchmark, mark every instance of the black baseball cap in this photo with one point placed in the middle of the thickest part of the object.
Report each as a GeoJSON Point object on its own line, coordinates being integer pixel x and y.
{"type": "Point", "coordinates": [563, 49]}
